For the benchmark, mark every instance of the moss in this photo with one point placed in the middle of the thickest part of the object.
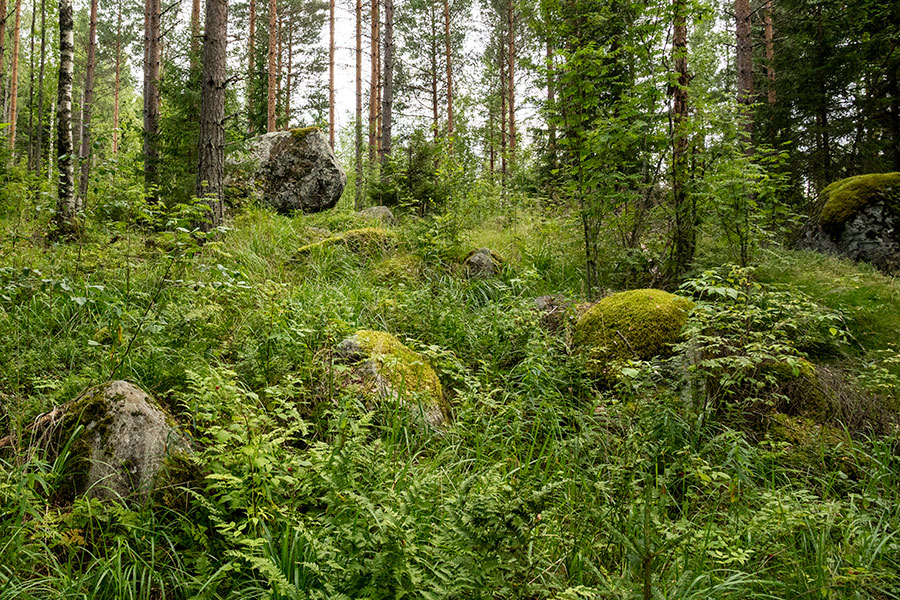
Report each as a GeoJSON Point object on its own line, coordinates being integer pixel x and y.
{"type": "Point", "coordinates": [402, 267]}
{"type": "Point", "coordinates": [301, 132]}
{"type": "Point", "coordinates": [635, 324]}
{"type": "Point", "coordinates": [366, 240]}
{"type": "Point", "coordinates": [803, 444]}
{"type": "Point", "coordinates": [845, 198]}
{"type": "Point", "coordinates": [800, 388]}
{"type": "Point", "coordinates": [92, 411]}
{"type": "Point", "coordinates": [179, 476]}
{"type": "Point", "coordinates": [400, 366]}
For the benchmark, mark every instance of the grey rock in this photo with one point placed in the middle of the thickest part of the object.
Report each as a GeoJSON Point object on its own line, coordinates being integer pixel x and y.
{"type": "Point", "coordinates": [291, 171]}
{"type": "Point", "coordinates": [482, 263]}
{"type": "Point", "coordinates": [872, 235]}
{"type": "Point", "coordinates": [382, 214]}
{"type": "Point", "coordinates": [125, 439]}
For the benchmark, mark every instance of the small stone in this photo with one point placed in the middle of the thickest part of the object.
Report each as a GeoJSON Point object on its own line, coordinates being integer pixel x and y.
{"type": "Point", "coordinates": [482, 263]}
{"type": "Point", "coordinates": [382, 214]}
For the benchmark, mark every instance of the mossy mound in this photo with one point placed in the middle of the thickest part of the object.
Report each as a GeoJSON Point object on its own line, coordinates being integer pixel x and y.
{"type": "Point", "coordinates": [399, 267]}
{"type": "Point", "coordinates": [393, 371]}
{"type": "Point", "coordinates": [482, 262]}
{"type": "Point", "coordinates": [637, 324]}
{"type": "Point", "coordinates": [845, 198]}
{"type": "Point", "coordinates": [367, 240]}
{"type": "Point", "coordinates": [803, 444]}
{"type": "Point", "coordinates": [798, 389]}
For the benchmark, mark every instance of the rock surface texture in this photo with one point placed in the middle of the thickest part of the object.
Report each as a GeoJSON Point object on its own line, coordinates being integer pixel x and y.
{"type": "Point", "coordinates": [382, 214]}
{"type": "Point", "coordinates": [483, 262]}
{"type": "Point", "coordinates": [292, 170]}
{"type": "Point", "coordinates": [389, 370]}
{"type": "Point", "coordinates": [123, 444]}
{"type": "Point", "coordinates": [860, 219]}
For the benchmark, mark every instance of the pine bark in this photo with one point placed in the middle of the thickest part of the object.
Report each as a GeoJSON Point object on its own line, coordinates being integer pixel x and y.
{"type": "Point", "coordinates": [388, 80]}
{"type": "Point", "coordinates": [684, 236]}
{"type": "Point", "coordinates": [14, 77]}
{"type": "Point", "coordinates": [449, 60]}
{"type": "Point", "coordinates": [434, 76]}
{"type": "Point", "coordinates": [67, 203]}
{"type": "Point", "coordinates": [195, 35]}
{"type": "Point", "coordinates": [744, 58]}
{"type": "Point", "coordinates": [39, 138]}
{"type": "Point", "coordinates": [211, 167]}
{"type": "Point", "coordinates": [273, 32]}
{"type": "Point", "coordinates": [358, 191]}
{"type": "Point", "coordinates": [504, 88]}
{"type": "Point", "coordinates": [279, 119]}
{"type": "Point", "coordinates": [375, 41]}
{"type": "Point", "coordinates": [3, 8]}
{"type": "Point", "coordinates": [31, 92]}
{"type": "Point", "coordinates": [87, 104]}
{"type": "Point", "coordinates": [331, 73]}
{"type": "Point", "coordinates": [115, 135]}
{"type": "Point", "coordinates": [290, 69]}
{"type": "Point", "coordinates": [511, 78]}
{"type": "Point", "coordinates": [251, 40]}
{"type": "Point", "coordinates": [151, 97]}
{"type": "Point", "coordinates": [770, 53]}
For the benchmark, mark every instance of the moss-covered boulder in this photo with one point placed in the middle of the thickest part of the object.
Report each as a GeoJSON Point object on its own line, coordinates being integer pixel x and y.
{"type": "Point", "coordinates": [638, 324]}
{"type": "Point", "coordinates": [120, 439]}
{"type": "Point", "coordinates": [860, 219]}
{"type": "Point", "coordinates": [387, 370]}
{"type": "Point", "coordinates": [482, 262]}
{"type": "Point", "coordinates": [289, 170]}
{"type": "Point", "coordinates": [399, 267]}
{"type": "Point", "coordinates": [367, 240]}
{"type": "Point", "coordinates": [380, 214]}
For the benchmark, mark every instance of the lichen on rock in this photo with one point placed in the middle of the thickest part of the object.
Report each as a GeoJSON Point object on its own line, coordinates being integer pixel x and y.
{"type": "Point", "coordinates": [390, 370]}
{"type": "Point", "coordinates": [637, 324]}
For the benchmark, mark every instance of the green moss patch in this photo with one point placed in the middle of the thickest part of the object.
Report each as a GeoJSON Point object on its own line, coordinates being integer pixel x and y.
{"type": "Point", "coordinates": [301, 132]}
{"type": "Point", "coordinates": [402, 367]}
{"type": "Point", "coordinates": [400, 267]}
{"type": "Point", "coordinates": [367, 240]}
{"type": "Point", "coordinates": [845, 198]}
{"type": "Point", "coordinates": [637, 324]}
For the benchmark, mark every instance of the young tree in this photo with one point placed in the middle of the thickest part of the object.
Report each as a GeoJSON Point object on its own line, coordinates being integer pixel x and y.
{"type": "Point", "coordinates": [211, 167]}
{"type": "Point", "coordinates": [684, 235]}
{"type": "Point", "coordinates": [374, 86]}
{"type": "Point", "coordinates": [87, 105]}
{"type": "Point", "coordinates": [67, 203]}
{"type": "Point", "coordinates": [449, 60]}
{"type": "Point", "coordinates": [39, 137]}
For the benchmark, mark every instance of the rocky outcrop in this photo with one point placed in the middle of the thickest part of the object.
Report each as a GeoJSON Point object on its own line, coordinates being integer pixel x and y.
{"type": "Point", "coordinates": [859, 219]}
{"type": "Point", "coordinates": [290, 171]}
{"type": "Point", "coordinates": [387, 370]}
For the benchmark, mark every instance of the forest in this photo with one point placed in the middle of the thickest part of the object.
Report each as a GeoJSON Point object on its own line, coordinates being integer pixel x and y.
{"type": "Point", "coordinates": [443, 299]}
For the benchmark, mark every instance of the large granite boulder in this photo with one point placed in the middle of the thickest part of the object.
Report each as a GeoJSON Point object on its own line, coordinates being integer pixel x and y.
{"type": "Point", "coordinates": [859, 219]}
{"type": "Point", "coordinates": [388, 371]}
{"type": "Point", "coordinates": [290, 171]}
{"type": "Point", "coordinates": [120, 441]}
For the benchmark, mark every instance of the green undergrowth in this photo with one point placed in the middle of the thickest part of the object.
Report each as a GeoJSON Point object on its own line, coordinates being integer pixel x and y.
{"type": "Point", "coordinates": [703, 474]}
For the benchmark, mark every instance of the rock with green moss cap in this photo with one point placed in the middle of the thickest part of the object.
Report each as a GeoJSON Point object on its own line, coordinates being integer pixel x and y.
{"type": "Point", "coordinates": [482, 263]}
{"type": "Point", "coordinates": [390, 371]}
{"type": "Point", "coordinates": [291, 170]}
{"type": "Point", "coordinates": [367, 240]}
{"type": "Point", "coordinates": [120, 440]}
{"type": "Point", "coordinates": [860, 219]}
{"type": "Point", "coordinates": [637, 324]}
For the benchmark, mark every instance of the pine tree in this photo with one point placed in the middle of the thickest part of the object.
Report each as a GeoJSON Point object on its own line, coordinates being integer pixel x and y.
{"type": "Point", "coordinates": [211, 167]}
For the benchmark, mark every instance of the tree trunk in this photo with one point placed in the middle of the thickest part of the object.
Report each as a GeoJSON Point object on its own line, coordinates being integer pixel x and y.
{"type": "Point", "coordinates": [251, 37]}
{"type": "Point", "coordinates": [504, 88]}
{"type": "Point", "coordinates": [434, 81]}
{"type": "Point", "coordinates": [39, 139]}
{"type": "Point", "coordinates": [67, 204]}
{"type": "Point", "coordinates": [683, 238]}
{"type": "Point", "coordinates": [3, 17]}
{"type": "Point", "coordinates": [31, 93]}
{"type": "Point", "coordinates": [357, 200]}
{"type": "Point", "coordinates": [551, 102]}
{"type": "Point", "coordinates": [14, 78]}
{"type": "Point", "coordinates": [115, 139]}
{"type": "Point", "coordinates": [279, 119]}
{"type": "Point", "coordinates": [373, 84]}
{"type": "Point", "coordinates": [151, 98]}
{"type": "Point", "coordinates": [331, 73]}
{"type": "Point", "coordinates": [211, 167]}
{"type": "Point", "coordinates": [273, 32]}
{"type": "Point", "coordinates": [744, 58]}
{"type": "Point", "coordinates": [289, 87]}
{"type": "Point", "coordinates": [388, 79]}
{"type": "Point", "coordinates": [770, 53]}
{"type": "Point", "coordinates": [449, 60]}
{"type": "Point", "coordinates": [195, 35]}
{"type": "Point", "coordinates": [511, 79]}
{"type": "Point", "coordinates": [87, 105]}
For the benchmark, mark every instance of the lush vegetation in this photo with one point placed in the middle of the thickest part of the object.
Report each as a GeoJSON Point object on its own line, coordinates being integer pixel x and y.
{"type": "Point", "coordinates": [757, 458]}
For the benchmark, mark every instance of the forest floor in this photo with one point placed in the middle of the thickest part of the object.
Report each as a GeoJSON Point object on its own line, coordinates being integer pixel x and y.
{"type": "Point", "coordinates": [708, 473]}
